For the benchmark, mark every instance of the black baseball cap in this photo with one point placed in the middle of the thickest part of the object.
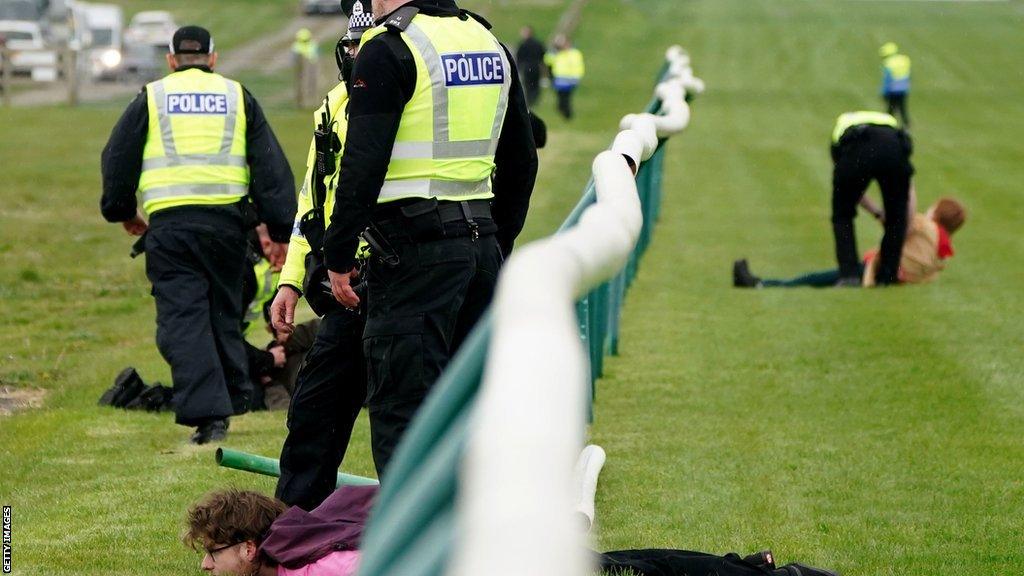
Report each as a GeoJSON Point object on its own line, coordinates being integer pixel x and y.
{"type": "Point", "coordinates": [192, 40]}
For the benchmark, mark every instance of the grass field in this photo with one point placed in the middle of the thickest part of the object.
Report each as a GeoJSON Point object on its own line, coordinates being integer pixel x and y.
{"type": "Point", "coordinates": [875, 432]}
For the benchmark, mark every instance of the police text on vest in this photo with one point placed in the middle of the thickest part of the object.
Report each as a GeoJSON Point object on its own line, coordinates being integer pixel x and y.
{"type": "Point", "coordinates": [197, 104]}
{"type": "Point", "coordinates": [473, 69]}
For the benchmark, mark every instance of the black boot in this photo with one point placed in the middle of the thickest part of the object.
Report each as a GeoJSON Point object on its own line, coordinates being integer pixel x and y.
{"type": "Point", "coordinates": [742, 277]}
{"type": "Point", "coordinates": [212, 431]}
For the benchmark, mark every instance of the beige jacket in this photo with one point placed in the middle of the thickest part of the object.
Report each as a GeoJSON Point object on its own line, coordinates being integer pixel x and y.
{"type": "Point", "coordinates": [920, 262]}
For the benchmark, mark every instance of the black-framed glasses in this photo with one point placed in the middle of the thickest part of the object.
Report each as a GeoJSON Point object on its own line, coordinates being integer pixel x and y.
{"type": "Point", "coordinates": [213, 551]}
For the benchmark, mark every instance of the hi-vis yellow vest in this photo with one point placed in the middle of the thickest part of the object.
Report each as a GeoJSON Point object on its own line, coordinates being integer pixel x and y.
{"type": "Point", "coordinates": [295, 264]}
{"type": "Point", "coordinates": [449, 129]}
{"type": "Point", "coordinates": [266, 284]}
{"type": "Point", "coordinates": [851, 119]}
{"type": "Point", "coordinates": [898, 66]}
{"type": "Point", "coordinates": [566, 63]}
{"type": "Point", "coordinates": [195, 149]}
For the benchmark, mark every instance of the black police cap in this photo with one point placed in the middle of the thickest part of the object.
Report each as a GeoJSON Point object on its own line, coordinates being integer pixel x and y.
{"type": "Point", "coordinates": [192, 40]}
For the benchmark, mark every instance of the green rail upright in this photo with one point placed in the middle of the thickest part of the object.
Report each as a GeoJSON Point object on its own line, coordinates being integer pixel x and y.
{"type": "Point", "coordinates": [412, 531]}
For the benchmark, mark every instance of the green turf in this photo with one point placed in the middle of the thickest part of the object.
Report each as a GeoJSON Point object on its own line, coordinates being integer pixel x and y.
{"type": "Point", "coordinates": [876, 432]}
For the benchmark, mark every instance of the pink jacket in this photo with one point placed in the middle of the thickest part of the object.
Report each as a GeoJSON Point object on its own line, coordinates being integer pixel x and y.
{"type": "Point", "coordinates": [342, 563]}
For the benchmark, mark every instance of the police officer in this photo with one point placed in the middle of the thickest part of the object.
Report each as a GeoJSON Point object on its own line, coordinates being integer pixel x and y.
{"type": "Point", "coordinates": [870, 146]}
{"type": "Point", "coordinates": [895, 80]}
{"type": "Point", "coordinates": [567, 69]}
{"type": "Point", "coordinates": [331, 386]}
{"type": "Point", "coordinates": [440, 163]}
{"type": "Point", "coordinates": [198, 148]}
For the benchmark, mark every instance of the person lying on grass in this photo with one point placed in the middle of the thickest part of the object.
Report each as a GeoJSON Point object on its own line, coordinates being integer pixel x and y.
{"type": "Point", "coordinates": [244, 533]}
{"type": "Point", "coordinates": [925, 250]}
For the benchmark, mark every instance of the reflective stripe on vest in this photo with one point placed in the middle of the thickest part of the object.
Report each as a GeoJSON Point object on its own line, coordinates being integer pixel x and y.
{"type": "Point", "coordinates": [212, 191]}
{"type": "Point", "coordinates": [851, 119]}
{"type": "Point", "coordinates": [463, 83]}
{"type": "Point", "coordinates": [398, 189]}
{"type": "Point", "coordinates": [189, 157]}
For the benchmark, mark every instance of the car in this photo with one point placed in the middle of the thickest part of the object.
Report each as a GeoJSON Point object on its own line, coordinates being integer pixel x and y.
{"type": "Point", "coordinates": [106, 48]}
{"type": "Point", "coordinates": [311, 7]}
{"type": "Point", "coordinates": [154, 27]}
{"type": "Point", "coordinates": [29, 54]}
{"type": "Point", "coordinates": [21, 10]}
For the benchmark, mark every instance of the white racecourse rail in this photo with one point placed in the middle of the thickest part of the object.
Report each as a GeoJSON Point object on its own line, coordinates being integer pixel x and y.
{"type": "Point", "coordinates": [516, 513]}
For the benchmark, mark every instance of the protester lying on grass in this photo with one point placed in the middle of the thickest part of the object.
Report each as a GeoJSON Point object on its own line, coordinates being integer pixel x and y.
{"type": "Point", "coordinates": [925, 250]}
{"type": "Point", "coordinates": [243, 533]}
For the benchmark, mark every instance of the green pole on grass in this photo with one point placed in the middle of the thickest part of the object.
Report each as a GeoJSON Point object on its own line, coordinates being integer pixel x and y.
{"type": "Point", "coordinates": [246, 462]}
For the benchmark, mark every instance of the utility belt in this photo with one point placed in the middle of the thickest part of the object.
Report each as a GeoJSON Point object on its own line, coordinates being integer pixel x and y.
{"type": "Point", "coordinates": [431, 219]}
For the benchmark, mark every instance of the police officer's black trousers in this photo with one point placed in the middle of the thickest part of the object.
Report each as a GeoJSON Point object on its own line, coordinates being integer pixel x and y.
{"type": "Point", "coordinates": [871, 153]}
{"type": "Point", "coordinates": [195, 259]}
{"type": "Point", "coordinates": [897, 106]}
{"type": "Point", "coordinates": [565, 102]}
{"type": "Point", "coordinates": [419, 311]}
{"type": "Point", "coordinates": [329, 392]}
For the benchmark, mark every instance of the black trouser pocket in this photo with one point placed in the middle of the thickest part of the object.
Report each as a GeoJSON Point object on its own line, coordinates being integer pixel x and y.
{"type": "Point", "coordinates": [394, 360]}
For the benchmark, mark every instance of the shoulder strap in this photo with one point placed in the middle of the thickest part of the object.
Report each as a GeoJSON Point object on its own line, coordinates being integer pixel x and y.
{"type": "Point", "coordinates": [483, 21]}
{"type": "Point", "coordinates": [400, 19]}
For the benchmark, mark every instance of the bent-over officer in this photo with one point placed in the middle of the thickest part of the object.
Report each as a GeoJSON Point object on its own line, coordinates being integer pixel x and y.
{"type": "Point", "coordinates": [438, 168]}
{"type": "Point", "coordinates": [198, 148]}
{"type": "Point", "coordinates": [870, 146]}
{"type": "Point", "coordinates": [331, 386]}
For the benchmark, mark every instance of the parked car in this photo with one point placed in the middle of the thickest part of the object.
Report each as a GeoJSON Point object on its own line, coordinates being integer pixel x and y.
{"type": "Point", "coordinates": [155, 28]}
{"type": "Point", "coordinates": [30, 55]}
{"type": "Point", "coordinates": [21, 10]}
{"type": "Point", "coordinates": [106, 49]}
{"type": "Point", "coordinates": [310, 7]}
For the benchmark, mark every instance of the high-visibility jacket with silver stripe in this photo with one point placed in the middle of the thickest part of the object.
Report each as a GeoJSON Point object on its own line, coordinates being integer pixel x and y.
{"type": "Point", "coordinates": [851, 119]}
{"type": "Point", "coordinates": [195, 149]}
{"type": "Point", "coordinates": [449, 129]}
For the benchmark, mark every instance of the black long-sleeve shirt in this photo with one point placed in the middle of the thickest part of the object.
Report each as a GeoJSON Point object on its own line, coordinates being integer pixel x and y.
{"type": "Point", "coordinates": [384, 80]}
{"type": "Point", "coordinates": [271, 186]}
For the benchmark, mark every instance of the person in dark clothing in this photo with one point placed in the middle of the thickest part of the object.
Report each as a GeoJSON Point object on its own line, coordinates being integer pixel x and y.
{"type": "Point", "coordinates": [530, 60]}
{"type": "Point", "coordinates": [199, 163]}
{"type": "Point", "coordinates": [870, 146]}
{"type": "Point", "coordinates": [444, 198]}
{"type": "Point", "coordinates": [331, 386]}
{"type": "Point", "coordinates": [245, 532]}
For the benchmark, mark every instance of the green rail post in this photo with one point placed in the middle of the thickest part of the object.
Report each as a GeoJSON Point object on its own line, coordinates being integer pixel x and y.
{"type": "Point", "coordinates": [246, 462]}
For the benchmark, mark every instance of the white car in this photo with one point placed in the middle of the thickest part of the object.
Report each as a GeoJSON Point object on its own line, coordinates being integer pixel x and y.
{"type": "Point", "coordinates": [155, 28]}
{"type": "Point", "coordinates": [30, 55]}
{"type": "Point", "coordinates": [106, 50]}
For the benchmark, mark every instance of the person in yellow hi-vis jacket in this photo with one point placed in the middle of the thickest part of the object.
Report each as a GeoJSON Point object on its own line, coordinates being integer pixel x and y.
{"type": "Point", "coordinates": [567, 70]}
{"type": "Point", "coordinates": [331, 386]}
{"type": "Point", "coordinates": [439, 166]}
{"type": "Point", "coordinates": [196, 146]}
{"type": "Point", "coordinates": [895, 81]}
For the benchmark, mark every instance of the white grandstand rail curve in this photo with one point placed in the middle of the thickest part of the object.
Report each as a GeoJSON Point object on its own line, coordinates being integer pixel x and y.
{"type": "Point", "coordinates": [517, 508]}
